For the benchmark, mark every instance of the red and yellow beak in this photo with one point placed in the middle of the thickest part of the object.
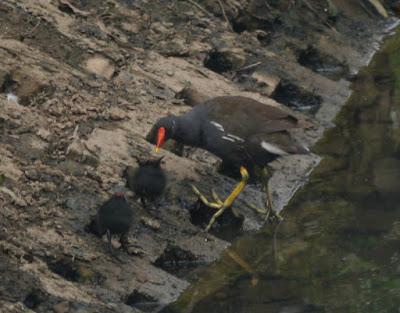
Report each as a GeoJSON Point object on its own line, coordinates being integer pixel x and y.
{"type": "Point", "coordinates": [160, 138]}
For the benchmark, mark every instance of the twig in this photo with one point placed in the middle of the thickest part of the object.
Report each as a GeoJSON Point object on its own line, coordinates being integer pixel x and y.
{"type": "Point", "coordinates": [276, 258]}
{"type": "Point", "coordinates": [24, 34]}
{"type": "Point", "coordinates": [32, 30]}
{"type": "Point", "coordinates": [311, 8]}
{"type": "Point", "coordinates": [268, 6]}
{"type": "Point", "coordinates": [247, 67]}
{"type": "Point", "coordinates": [75, 134]}
{"type": "Point", "coordinates": [366, 9]}
{"type": "Point", "coordinates": [224, 14]}
{"type": "Point", "coordinates": [200, 7]}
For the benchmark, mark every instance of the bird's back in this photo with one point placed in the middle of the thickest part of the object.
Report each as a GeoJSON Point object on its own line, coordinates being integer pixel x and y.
{"type": "Point", "coordinates": [114, 215]}
{"type": "Point", "coordinates": [244, 116]}
{"type": "Point", "coordinates": [148, 181]}
{"type": "Point", "coordinates": [243, 131]}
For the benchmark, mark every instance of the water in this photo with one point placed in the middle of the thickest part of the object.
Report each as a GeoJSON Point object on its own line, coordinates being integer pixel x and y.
{"type": "Point", "coordinates": [338, 249]}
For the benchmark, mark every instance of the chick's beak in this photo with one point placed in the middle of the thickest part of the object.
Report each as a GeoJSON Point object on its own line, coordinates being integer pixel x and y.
{"type": "Point", "coordinates": [160, 138]}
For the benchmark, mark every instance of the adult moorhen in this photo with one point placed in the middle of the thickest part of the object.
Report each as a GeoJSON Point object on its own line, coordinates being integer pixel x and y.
{"type": "Point", "coordinates": [244, 133]}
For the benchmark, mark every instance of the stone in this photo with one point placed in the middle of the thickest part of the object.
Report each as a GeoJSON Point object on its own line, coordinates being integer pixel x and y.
{"type": "Point", "coordinates": [43, 133]}
{"type": "Point", "coordinates": [174, 48]}
{"type": "Point", "coordinates": [116, 114]}
{"type": "Point", "coordinates": [191, 96]}
{"type": "Point", "coordinates": [61, 307]}
{"type": "Point", "coordinates": [266, 82]}
{"type": "Point", "coordinates": [151, 223]}
{"type": "Point", "coordinates": [16, 199]}
{"type": "Point", "coordinates": [225, 59]}
{"type": "Point", "coordinates": [100, 66]}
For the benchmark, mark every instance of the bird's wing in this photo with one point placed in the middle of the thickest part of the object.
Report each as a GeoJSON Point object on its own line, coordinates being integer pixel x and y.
{"type": "Point", "coordinates": [243, 117]}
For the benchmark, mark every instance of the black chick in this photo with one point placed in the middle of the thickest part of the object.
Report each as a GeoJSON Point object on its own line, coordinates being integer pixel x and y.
{"type": "Point", "coordinates": [115, 216]}
{"type": "Point", "coordinates": [147, 181]}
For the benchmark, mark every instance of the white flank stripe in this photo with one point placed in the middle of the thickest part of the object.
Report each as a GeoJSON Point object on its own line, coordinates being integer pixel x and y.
{"type": "Point", "coordinates": [227, 138]}
{"type": "Point", "coordinates": [219, 126]}
{"type": "Point", "coordinates": [235, 137]}
{"type": "Point", "coordinates": [272, 148]}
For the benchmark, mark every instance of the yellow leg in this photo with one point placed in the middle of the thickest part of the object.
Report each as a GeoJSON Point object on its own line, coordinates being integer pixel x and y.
{"type": "Point", "coordinates": [218, 204]}
{"type": "Point", "coordinates": [271, 213]}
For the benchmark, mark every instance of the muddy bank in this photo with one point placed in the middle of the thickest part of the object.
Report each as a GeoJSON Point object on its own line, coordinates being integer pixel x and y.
{"type": "Point", "coordinates": [91, 79]}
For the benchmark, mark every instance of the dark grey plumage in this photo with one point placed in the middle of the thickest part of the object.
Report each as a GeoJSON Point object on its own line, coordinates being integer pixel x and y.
{"type": "Point", "coordinates": [114, 217]}
{"type": "Point", "coordinates": [239, 130]}
{"type": "Point", "coordinates": [244, 133]}
{"type": "Point", "coordinates": [147, 181]}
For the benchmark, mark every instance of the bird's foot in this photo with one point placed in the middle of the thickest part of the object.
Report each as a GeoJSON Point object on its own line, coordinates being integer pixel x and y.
{"type": "Point", "coordinates": [275, 216]}
{"type": "Point", "coordinates": [218, 204]}
{"type": "Point", "coordinates": [215, 205]}
{"type": "Point", "coordinates": [268, 214]}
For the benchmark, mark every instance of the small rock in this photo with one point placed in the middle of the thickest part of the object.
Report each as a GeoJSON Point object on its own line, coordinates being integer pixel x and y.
{"type": "Point", "coordinates": [267, 82]}
{"type": "Point", "coordinates": [116, 114]}
{"type": "Point", "coordinates": [131, 27]}
{"type": "Point", "coordinates": [100, 66]}
{"type": "Point", "coordinates": [62, 307]}
{"type": "Point", "coordinates": [151, 223]}
{"type": "Point", "coordinates": [132, 250]}
{"type": "Point", "coordinates": [17, 200]}
{"type": "Point", "coordinates": [191, 96]}
{"type": "Point", "coordinates": [225, 59]}
{"type": "Point", "coordinates": [174, 48]}
{"type": "Point", "coordinates": [49, 187]}
{"type": "Point", "coordinates": [44, 134]}
{"type": "Point", "coordinates": [158, 28]}
{"type": "Point", "coordinates": [32, 174]}
{"type": "Point", "coordinates": [28, 83]}
{"type": "Point", "coordinates": [261, 35]}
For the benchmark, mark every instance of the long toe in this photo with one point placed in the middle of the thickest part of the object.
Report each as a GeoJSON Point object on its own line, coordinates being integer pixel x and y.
{"type": "Point", "coordinates": [215, 205]}
{"type": "Point", "coordinates": [275, 216]}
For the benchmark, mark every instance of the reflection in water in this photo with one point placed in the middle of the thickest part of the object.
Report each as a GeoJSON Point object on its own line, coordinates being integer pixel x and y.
{"type": "Point", "coordinates": [338, 248]}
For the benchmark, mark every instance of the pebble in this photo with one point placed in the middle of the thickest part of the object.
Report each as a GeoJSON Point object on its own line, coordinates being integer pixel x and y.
{"type": "Point", "coordinates": [151, 223]}
{"type": "Point", "coordinates": [62, 307]}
